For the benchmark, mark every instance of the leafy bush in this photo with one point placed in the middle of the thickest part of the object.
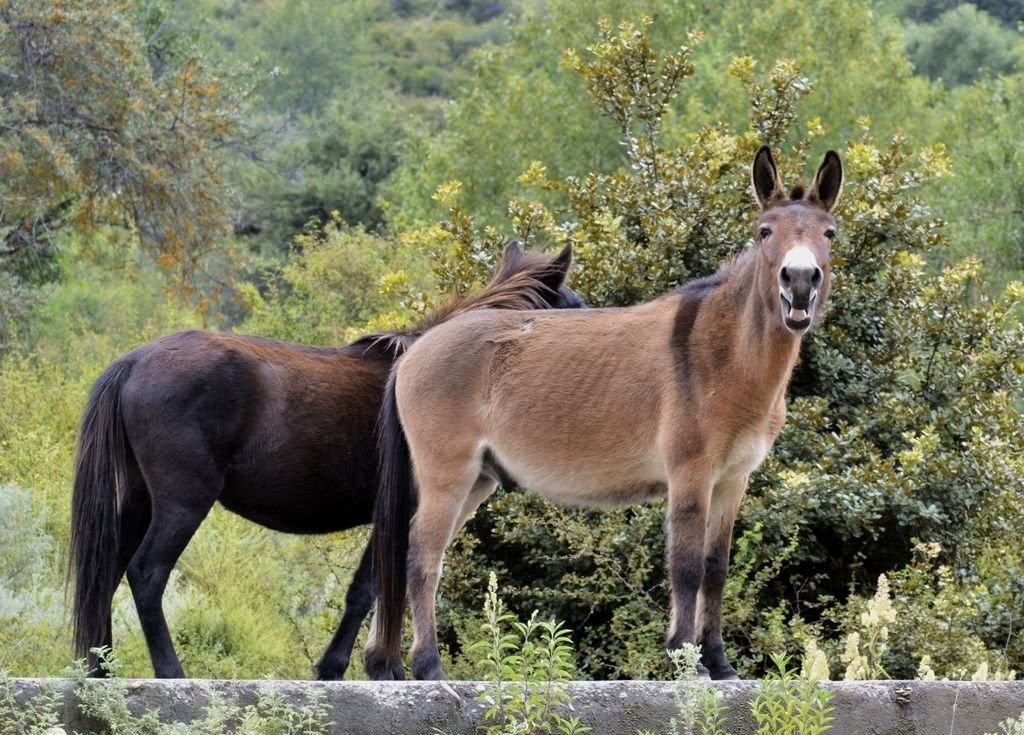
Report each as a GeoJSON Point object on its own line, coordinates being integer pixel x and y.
{"type": "Point", "coordinates": [790, 704]}
{"type": "Point", "coordinates": [333, 283]}
{"type": "Point", "coordinates": [527, 665]}
{"type": "Point", "coordinates": [108, 123]}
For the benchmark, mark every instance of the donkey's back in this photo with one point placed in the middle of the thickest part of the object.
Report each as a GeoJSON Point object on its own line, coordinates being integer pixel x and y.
{"type": "Point", "coordinates": [486, 381]}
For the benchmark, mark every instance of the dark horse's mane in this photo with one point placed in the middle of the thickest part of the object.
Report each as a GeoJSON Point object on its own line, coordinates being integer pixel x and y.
{"type": "Point", "coordinates": [520, 283]}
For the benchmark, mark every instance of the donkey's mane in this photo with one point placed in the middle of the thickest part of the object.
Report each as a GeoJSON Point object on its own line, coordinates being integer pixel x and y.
{"type": "Point", "coordinates": [700, 287]}
{"type": "Point", "coordinates": [517, 284]}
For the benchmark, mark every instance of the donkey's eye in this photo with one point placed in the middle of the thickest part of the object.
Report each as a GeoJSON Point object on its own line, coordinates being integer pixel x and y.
{"type": "Point", "coordinates": [765, 232]}
{"type": "Point", "coordinates": [830, 234]}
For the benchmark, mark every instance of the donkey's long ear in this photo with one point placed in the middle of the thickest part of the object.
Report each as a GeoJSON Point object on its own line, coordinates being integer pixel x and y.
{"type": "Point", "coordinates": [828, 182]}
{"type": "Point", "coordinates": [558, 269]}
{"type": "Point", "coordinates": [765, 177]}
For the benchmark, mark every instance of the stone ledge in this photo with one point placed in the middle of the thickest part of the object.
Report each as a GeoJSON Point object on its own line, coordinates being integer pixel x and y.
{"type": "Point", "coordinates": [610, 708]}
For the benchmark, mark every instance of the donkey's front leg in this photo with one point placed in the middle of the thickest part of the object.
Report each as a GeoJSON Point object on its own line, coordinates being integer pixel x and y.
{"type": "Point", "coordinates": [689, 491]}
{"type": "Point", "coordinates": [725, 502]}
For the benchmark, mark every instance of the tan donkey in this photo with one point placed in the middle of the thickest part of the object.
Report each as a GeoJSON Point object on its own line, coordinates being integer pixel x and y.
{"type": "Point", "coordinates": [683, 395]}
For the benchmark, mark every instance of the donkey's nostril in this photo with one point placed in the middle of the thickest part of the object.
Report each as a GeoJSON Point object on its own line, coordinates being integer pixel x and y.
{"type": "Point", "coordinates": [784, 277]}
{"type": "Point", "coordinates": [816, 278]}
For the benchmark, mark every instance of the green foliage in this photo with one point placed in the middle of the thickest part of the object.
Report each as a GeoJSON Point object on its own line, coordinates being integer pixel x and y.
{"type": "Point", "coordinates": [333, 160]}
{"type": "Point", "coordinates": [527, 665]}
{"type": "Point", "coordinates": [699, 708]}
{"type": "Point", "coordinates": [332, 284]}
{"type": "Point", "coordinates": [33, 717]}
{"type": "Point", "coordinates": [31, 602]}
{"type": "Point", "coordinates": [523, 106]}
{"type": "Point", "coordinates": [107, 702]}
{"type": "Point", "coordinates": [351, 81]}
{"type": "Point", "coordinates": [982, 199]}
{"type": "Point", "coordinates": [961, 45]}
{"type": "Point", "coordinates": [1011, 727]}
{"type": "Point", "coordinates": [867, 645]}
{"type": "Point", "coordinates": [790, 704]}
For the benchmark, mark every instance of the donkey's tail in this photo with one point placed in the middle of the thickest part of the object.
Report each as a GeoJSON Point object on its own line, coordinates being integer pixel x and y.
{"type": "Point", "coordinates": [100, 478]}
{"type": "Point", "coordinates": [391, 517]}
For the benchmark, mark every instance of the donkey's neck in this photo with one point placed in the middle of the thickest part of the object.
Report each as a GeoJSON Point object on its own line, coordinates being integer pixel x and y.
{"type": "Point", "coordinates": [762, 351]}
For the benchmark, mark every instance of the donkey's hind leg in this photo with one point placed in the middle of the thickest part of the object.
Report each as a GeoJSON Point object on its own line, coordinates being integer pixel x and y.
{"type": "Point", "coordinates": [358, 601]}
{"type": "Point", "coordinates": [181, 495]}
{"type": "Point", "coordinates": [443, 498]}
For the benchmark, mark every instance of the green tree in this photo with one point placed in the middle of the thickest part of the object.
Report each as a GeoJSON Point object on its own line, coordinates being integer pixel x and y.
{"type": "Point", "coordinates": [102, 123]}
{"type": "Point", "coordinates": [1008, 11]}
{"type": "Point", "coordinates": [961, 45]}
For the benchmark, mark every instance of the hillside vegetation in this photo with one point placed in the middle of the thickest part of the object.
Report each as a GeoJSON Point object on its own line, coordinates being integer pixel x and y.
{"type": "Point", "coordinates": [312, 171]}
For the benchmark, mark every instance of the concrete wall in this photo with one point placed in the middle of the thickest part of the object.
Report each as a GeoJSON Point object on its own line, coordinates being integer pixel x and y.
{"type": "Point", "coordinates": [610, 708]}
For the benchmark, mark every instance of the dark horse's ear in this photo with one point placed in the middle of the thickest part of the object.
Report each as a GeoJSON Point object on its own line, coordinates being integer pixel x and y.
{"type": "Point", "coordinates": [558, 269]}
{"type": "Point", "coordinates": [513, 255]}
{"type": "Point", "coordinates": [765, 177]}
{"type": "Point", "coordinates": [828, 182]}
{"type": "Point", "coordinates": [511, 261]}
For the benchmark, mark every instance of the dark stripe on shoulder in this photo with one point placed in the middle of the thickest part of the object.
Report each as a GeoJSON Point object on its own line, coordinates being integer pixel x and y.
{"type": "Point", "coordinates": [686, 316]}
{"type": "Point", "coordinates": [690, 298]}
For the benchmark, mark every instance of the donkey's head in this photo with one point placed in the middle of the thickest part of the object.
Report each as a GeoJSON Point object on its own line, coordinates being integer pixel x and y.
{"type": "Point", "coordinates": [794, 234]}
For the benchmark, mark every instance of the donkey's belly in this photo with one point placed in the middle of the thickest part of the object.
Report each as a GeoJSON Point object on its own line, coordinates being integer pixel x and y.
{"type": "Point", "coordinates": [586, 481]}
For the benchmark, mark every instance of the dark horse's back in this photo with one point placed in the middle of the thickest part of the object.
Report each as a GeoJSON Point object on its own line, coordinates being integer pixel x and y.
{"type": "Point", "coordinates": [289, 428]}
{"type": "Point", "coordinates": [281, 434]}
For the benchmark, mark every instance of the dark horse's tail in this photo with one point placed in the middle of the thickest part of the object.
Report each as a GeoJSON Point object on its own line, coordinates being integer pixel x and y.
{"type": "Point", "coordinates": [391, 517]}
{"type": "Point", "coordinates": [101, 475]}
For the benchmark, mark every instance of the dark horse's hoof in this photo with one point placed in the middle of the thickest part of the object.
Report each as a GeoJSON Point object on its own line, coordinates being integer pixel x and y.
{"type": "Point", "coordinates": [724, 674]}
{"type": "Point", "coordinates": [331, 669]}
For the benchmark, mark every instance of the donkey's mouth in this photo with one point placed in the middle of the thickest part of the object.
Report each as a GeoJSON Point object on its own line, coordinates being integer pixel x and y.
{"type": "Point", "coordinates": [797, 321]}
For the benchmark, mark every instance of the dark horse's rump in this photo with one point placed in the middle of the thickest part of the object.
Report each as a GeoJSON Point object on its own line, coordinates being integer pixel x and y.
{"type": "Point", "coordinates": [281, 434]}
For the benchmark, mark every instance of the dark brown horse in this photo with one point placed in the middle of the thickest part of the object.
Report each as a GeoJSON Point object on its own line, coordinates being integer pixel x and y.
{"type": "Point", "coordinates": [281, 434]}
{"type": "Point", "coordinates": [679, 397]}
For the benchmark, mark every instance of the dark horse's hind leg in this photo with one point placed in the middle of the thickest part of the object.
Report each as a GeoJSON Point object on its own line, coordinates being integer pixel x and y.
{"type": "Point", "coordinates": [358, 601]}
{"type": "Point", "coordinates": [181, 497]}
{"type": "Point", "coordinates": [133, 520]}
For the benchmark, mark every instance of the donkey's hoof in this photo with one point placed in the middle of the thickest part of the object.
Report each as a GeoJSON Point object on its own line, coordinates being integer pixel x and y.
{"type": "Point", "coordinates": [703, 673]}
{"type": "Point", "coordinates": [378, 669]}
{"type": "Point", "coordinates": [428, 668]}
{"type": "Point", "coordinates": [398, 672]}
